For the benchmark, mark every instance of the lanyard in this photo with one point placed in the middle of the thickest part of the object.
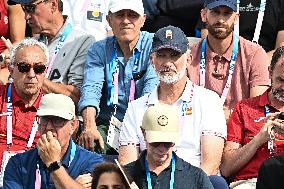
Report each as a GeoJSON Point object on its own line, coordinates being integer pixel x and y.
{"type": "Point", "coordinates": [231, 66]}
{"type": "Point", "coordinates": [60, 43]}
{"type": "Point", "coordinates": [172, 173]}
{"type": "Point", "coordinates": [266, 110]}
{"type": "Point", "coordinates": [113, 78]}
{"type": "Point", "coordinates": [10, 120]}
{"type": "Point", "coordinates": [259, 20]}
{"type": "Point", "coordinates": [38, 175]}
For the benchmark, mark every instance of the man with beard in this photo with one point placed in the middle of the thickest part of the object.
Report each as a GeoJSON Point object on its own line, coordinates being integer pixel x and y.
{"type": "Point", "coordinates": [203, 128]}
{"type": "Point", "coordinates": [253, 130]}
{"type": "Point", "coordinates": [233, 67]}
{"type": "Point", "coordinates": [19, 100]}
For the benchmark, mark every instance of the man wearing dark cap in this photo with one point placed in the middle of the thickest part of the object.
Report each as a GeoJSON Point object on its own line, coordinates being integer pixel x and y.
{"type": "Point", "coordinates": [230, 65]}
{"type": "Point", "coordinates": [159, 166]}
{"type": "Point", "coordinates": [203, 127]}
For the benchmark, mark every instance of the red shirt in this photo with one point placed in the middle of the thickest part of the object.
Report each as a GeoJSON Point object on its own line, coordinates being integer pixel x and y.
{"type": "Point", "coordinates": [242, 127]}
{"type": "Point", "coordinates": [4, 24]}
{"type": "Point", "coordinates": [23, 119]}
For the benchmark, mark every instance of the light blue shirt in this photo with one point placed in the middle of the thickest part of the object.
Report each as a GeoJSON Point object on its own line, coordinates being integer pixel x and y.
{"type": "Point", "coordinates": [94, 91]}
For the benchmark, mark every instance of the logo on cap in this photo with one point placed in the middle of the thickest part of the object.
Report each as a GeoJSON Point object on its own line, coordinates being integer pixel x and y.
{"type": "Point", "coordinates": [163, 120]}
{"type": "Point", "coordinates": [169, 34]}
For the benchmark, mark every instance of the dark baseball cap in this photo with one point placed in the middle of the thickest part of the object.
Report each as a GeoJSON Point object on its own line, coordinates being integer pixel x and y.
{"type": "Point", "coordinates": [211, 4]}
{"type": "Point", "coordinates": [170, 37]}
{"type": "Point", "coordinates": [20, 1]}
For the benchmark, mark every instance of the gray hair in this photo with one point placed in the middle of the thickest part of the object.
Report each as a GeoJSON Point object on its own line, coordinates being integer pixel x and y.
{"type": "Point", "coordinates": [28, 42]}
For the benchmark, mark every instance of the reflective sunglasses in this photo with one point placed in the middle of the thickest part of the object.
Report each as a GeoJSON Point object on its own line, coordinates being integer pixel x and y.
{"type": "Point", "coordinates": [30, 8]}
{"type": "Point", "coordinates": [56, 122]}
{"type": "Point", "coordinates": [25, 67]}
{"type": "Point", "coordinates": [165, 144]}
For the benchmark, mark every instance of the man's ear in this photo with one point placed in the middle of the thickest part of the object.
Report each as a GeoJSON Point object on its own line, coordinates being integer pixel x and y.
{"type": "Point", "coordinates": [203, 14]}
{"type": "Point", "coordinates": [74, 126]}
{"type": "Point", "coordinates": [189, 57]}
{"type": "Point", "coordinates": [11, 70]}
{"type": "Point", "coordinates": [270, 72]}
{"type": "Point", "coordinates": [237, 18]}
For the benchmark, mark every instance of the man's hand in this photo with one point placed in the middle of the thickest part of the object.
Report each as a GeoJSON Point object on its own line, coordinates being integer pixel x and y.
{"type": "Point", "coordinates": [49, 148]}
{"type": "Point", "coordinates": [85, 180]}
{"type": "Point", "coordinates": [88, 137]}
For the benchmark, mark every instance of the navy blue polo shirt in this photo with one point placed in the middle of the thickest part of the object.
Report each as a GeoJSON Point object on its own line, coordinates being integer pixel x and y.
{"type": "Point", "coordinates": [187, 176]}
{"type": "Point", "coordinates": [21, 168]}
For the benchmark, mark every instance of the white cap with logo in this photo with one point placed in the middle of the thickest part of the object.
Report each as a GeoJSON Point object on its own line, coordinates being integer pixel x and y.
{"type": "Point", "coordinates": [58, 105]}
{"type": "Point", "coordinates": [161, 123]}
{"type": "Point", "coordinates": [135, 5]}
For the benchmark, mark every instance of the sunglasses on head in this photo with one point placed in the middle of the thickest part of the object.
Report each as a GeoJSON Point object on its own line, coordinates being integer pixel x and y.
{"type": "Point", "coordinates": [30, 8]}
{"type": "Point", "coordinates": [166, 144]}
{"type": "Point", "coordinates": [25, 67]}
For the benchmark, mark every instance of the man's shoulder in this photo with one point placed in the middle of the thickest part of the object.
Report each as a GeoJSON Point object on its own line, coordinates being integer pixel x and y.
{"type": "Point", "coordinates": [249, 47]}
{"type": "Point", "coordinates": [26, 158]}
{"type": "Point", "coordinates": [87, 155]}
{"type": "Point", "coordinates": [274, 162]}
{"type": "Point", "coordinates": [204, 93]}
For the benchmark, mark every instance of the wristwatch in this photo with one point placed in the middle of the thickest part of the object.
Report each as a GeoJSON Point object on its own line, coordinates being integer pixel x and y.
{"type": "Point", "coordinates": [54, 166]}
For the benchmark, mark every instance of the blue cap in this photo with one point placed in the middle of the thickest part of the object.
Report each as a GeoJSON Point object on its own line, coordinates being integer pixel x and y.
{"type": "Point", "coordinates": [211, 4]}
{"type": "Point", "coordinates": [170, 37]}
{"type": "Point", "coordinates": [22, 1]}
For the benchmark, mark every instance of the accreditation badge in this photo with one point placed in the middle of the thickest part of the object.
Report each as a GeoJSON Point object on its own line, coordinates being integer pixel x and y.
{"type": "Point", "coordinates": [6, 156]}
{"type": "Point", "coordinates": [113, 132]}
{"type": "Point", "coordinates": [94, 13]}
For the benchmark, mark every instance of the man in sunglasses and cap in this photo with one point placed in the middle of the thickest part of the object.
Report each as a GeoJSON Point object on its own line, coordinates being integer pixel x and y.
{"type": "Point", "coordinates": [203, 127]}
{"type": "Point", "coordinates": [19, 99]}
{"type": "Point", "coordinates": [67, 46]}
{"type": "Point", "coordinates": [159, 166]}
{"type": "Point", "coordinates": [57, 161]}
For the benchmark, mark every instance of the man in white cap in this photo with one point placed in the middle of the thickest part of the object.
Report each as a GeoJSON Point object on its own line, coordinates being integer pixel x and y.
{"type": "Point", "coordinates": [57, 161]}
{"type": "Point", "coordinates": [117, 71]}
{"type": "Point", "coordinates": [159, 166]}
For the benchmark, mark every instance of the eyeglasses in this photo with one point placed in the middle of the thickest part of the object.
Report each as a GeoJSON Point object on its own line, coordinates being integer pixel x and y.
{"type": "Point", "coordinates": [165, 144]}
{"type": "Point", "coordinates": [57, 122]}
{"type": "Point", "coordinates": [24, 67]}
{"type": "Point", "coordinates": [30, 8]}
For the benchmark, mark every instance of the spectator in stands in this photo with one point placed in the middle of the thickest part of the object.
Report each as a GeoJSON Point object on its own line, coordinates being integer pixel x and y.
{"type": "Point", "coordinates": [118, 70]}
{"type": "Point", "coordinates": [159, 166]}
{"type": "Point", "coordinates": [67, 46]}
{"type": "Point", "coordinates": [19, 100]}
{"type": "Point", "coordinates": [203, 127]}
{"type": "Point", "coordinates": [57, 160]}
{"type": "Point", "coordinates": [12, 27]}
{"type": "Point", "coordinates": [233, 67]}
{"type": "Point", "coordinates": [251, 137]}
{"type": "Point", "coordinates": [88, 16]}
{"type": "Point", "coordinates": [108, 175]}
{"type": "Point", "coordinates": [179, 13]}
{"type": "Point", "coordinates": [270, 33]}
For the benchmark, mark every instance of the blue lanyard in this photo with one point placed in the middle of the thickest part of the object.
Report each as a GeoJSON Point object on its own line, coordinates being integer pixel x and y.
{"type": "Point", "coordinates": [172, 173]}
{"type": "Point", "coordinates": [114, 68]}
{"type": "Point", "coordinates": [73, 153]}
{"type": "Point", "coordinates": [9, 99]}
{"type": "Point", "coordinates": [231, 66]}
{"type": "Point", "coordinates": [266, 110]}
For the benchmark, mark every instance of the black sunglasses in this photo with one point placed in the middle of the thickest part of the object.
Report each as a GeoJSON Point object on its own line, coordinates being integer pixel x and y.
{"type": "Point", "coordinates": [30, 8]}
{"type": "Point", "coordinates": [25, 67]}
{"type": "Point", "coordinates": [166, 144]}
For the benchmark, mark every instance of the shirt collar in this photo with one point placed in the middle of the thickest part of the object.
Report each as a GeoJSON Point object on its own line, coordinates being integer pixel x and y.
{"type": "Point", "coordinates": [263, 99]}
{"type": "Point", "coordinates": [138, 47]}
{"type": "Point", "coordinates": [227, 55]}
{"type": "Point", "coordinates": [179, 163]}
{"type": "Point", "coordinates": [16, 99]}
{"type": "Point", "coordinates": [153, 96]}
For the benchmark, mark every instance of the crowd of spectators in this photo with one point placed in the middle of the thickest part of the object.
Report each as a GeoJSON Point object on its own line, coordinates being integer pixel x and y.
{"type": "Point", "coordinates": [185, 94]}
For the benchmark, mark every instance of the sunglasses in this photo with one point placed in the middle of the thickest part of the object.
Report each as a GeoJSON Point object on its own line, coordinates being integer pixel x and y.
{"type": "Point", "coordinates": [165, 144]}
{"type": "Point", "coordinates": [25, 67]}
{"type": "Point", "coordinates": [30, 8]}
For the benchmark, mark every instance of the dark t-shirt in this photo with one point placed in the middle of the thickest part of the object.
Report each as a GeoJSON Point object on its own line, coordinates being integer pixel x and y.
{"type": "Point", "coordinates": [271, 174]}
{"type": "Point", "coordinates": [273, 21]}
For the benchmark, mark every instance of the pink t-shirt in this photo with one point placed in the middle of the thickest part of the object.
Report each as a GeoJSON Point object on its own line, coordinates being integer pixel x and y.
{"type": "Point", "coordinates": [251, 69]}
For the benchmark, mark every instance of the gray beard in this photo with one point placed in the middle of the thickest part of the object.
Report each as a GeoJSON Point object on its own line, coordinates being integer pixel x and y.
{"type": "Point", "coordinates": [276, 94]}
{"type": "Point", "coordinates": [168, 79]}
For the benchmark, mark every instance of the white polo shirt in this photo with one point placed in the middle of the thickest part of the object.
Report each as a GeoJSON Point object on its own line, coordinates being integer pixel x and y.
{"type": "Point", "coordinates": [200, 114]}
{"type": "Point", "coordinates": [88, 16]}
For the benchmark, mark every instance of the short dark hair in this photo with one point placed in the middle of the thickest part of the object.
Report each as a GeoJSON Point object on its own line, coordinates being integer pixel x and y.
{"type": "Point", "coordinates": [60, 5]}
{"type": "Point", "coordinates": [107, 167]}
{"type": "Point", "coordinates": [279, 52]}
